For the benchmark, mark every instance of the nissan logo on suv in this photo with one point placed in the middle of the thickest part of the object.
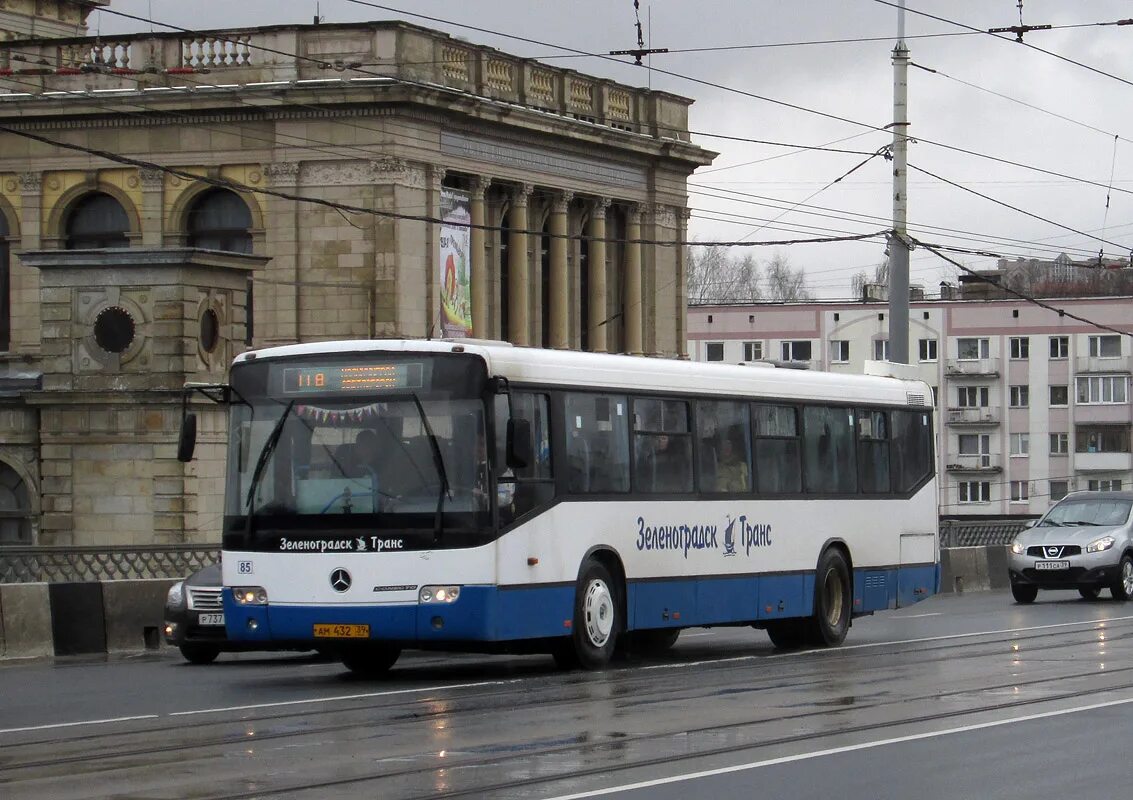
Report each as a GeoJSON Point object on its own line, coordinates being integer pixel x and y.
{"type": "Point", "coordinates": [340, 580]}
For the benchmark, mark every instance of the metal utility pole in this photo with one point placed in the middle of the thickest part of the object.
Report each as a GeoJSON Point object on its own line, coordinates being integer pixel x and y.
{"type": "Point", "coordinates": [898, 242]}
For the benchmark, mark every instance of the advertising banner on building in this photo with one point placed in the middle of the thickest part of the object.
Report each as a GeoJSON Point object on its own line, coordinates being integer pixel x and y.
{"type": "Point", "coordinates": [455, 246]}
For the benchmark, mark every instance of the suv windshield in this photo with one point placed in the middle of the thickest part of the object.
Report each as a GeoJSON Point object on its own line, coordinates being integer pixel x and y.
{"type": "Point", "coordinates": [1088, 511]}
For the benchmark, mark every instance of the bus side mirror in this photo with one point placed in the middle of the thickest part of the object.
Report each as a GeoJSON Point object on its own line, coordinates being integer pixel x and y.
{"type": "Point", "coordinates": [520, 451]}
{"type": "Point", "coordinates": [187, 441]}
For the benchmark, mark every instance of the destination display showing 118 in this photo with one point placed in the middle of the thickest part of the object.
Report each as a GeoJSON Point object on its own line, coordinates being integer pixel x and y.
{"type": "Point", "coordinates": [351, 378]}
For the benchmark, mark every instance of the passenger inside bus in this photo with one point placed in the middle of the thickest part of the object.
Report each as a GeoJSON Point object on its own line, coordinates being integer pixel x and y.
{"type": "Point", "coordinates": [731, 470]}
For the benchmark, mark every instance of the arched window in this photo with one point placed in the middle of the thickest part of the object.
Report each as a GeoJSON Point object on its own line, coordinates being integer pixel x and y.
{"type": "Point", "coordinates": [5, 288]}
{"type": "Point", "coordinates": [15, 510]}
{"type": "Point", "coordinates": [220, 220]}
{"type": "Point", "coordinates": [97, 221]}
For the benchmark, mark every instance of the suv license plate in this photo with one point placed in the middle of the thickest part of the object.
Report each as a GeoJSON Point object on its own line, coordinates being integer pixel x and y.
{"type": "Point", "coordinates": [210, 619]}
{"type": "Point", "coordinates": [334, 631]}
{"type": "Point", "coordinates": [1052, 565]}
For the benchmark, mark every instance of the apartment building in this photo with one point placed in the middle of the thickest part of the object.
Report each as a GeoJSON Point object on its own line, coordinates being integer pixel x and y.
{"type": "Point", "coordinates": [1030, 403]}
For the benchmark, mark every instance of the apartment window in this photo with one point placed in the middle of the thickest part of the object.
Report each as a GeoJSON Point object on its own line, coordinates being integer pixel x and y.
{"type": "Point", "coordinates": [795, 350]}
{"type": "Point", "coordinates": [1020, 444]}
{"type": "Point", "coordinates": [927, 349]}
{"type": "Point", "coordinates": [713, 351]}
{"type": "Point", "coordinates": [1020, 396]}
{"type": "Point", "coordinates": [839, 351]}
{"type": "Point", "coordinates": [1019, 492]}
{"type": "Point", "coordinates": [753, 351]}
{"type": "Point", "coordinates": [1060, 395]}
{"type": "Point", "coordinates": [1020, 347]}
{"type": "Point", "coordinates": [1104, 485]}
{"type": "Point", "coordinates": [973, 349]}
{"type": "Point", "coordinates": [1059, 346]}
{"type": "Point", "coordinates": [1059, 489]}
{"type": "Point", "coordinates": [1101, 389]}
{"type": "Point", "coordinates": [1101, 439]}
{"type": "Point", "coordinates": [975, 492]}
{"type": "Point", "coordinates": [881, 350]}
{"type": "Point", "coordinates": [972, 397]}
{"type": "Point", "coordinates": [975, 444]}
{"type": "Point", "coordinates": [1059, 444]}
{"type": "Point", "coordinates": [1108, 346]}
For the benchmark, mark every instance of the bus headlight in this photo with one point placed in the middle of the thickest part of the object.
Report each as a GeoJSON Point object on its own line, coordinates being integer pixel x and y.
{"type": "Point", "coordinates": [1017, 548]}
{"type": "Point", "coordinates": [250, 595]}
{"type": "Point", "coordinates": [439, 594]}
{"type": "Point", "coordinates": [1098, 545]}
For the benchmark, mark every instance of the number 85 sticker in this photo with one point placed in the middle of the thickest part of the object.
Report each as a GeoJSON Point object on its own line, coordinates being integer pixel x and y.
{"type": "Point", "coordinates": [244, 567]}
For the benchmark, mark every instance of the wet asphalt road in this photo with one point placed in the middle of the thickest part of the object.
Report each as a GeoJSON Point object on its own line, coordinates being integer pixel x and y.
{"type": "Point", "coordinates": [957, 697]}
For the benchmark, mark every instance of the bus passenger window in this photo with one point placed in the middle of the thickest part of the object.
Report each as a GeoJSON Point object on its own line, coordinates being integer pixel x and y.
{"type": "Point", "coordinates": [828, 437]}
{"type": "Point", "coordinates": [597, 442]}
{"type": "Point", "coordinates": [873, 451]}
{"type": "Point", "coordinates": [778, 467]}
{"type": "Point", "coordinates": [531, 486]}
{"type": "Point", "coordinates": [911, 449]}
{"type": "Point", "coordinates": [723, 433]}
{"type": "Point", "coordinates": [662, 448]}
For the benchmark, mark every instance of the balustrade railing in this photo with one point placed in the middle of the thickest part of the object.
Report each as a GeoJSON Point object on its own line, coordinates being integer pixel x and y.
{"type": "Point", "coordinates": [109, 563]}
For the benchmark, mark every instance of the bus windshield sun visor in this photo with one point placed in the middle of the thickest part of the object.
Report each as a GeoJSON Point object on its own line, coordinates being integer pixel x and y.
{"type": "Point", "coordinates": [261, 462]}
{"type": "Point", "coordinates": [439, 464]}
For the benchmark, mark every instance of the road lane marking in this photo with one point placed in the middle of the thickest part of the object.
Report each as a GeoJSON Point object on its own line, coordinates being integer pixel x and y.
{"type": "Point", "coordinates": [335, 698]}
{"type": "Point", "coordinates": [770, 762]}
{"type": "Point", "coordinates": [74, 724]}
{"type": "Point", "coordinates": [918, 616]}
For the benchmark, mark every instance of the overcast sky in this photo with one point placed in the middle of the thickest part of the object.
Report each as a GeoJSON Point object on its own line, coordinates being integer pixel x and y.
{"type": "Point", "coordinates": [849, 80]}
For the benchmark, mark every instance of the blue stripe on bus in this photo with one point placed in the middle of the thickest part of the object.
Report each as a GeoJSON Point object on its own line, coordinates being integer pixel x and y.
{"type": "Point", "coordinates": [486, 613]}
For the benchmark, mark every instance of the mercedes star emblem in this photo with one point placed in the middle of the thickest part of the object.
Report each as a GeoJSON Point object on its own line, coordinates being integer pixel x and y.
{"type": "Point", "coordinates": [340, 580]}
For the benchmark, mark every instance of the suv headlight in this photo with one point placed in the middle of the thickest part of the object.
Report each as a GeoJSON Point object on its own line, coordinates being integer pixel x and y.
{"type": "Point", "coordinates": [1017, 548]}
{"type": "Point", "coordinates": [176, 595]}
{"type": "Point", "coordinates": [1098, 545]}
{"type": "Point", "coordinates": [439, 594]}
{"type": "Point", "coordinates": [250, 595]}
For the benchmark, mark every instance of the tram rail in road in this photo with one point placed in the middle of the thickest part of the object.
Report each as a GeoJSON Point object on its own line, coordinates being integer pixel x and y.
{"type": "Point", "coordinates": [719, 709]}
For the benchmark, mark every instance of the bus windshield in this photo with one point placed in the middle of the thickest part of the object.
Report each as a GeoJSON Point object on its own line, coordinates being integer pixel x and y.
{"type": "Point", "coordinates": [398, 455]}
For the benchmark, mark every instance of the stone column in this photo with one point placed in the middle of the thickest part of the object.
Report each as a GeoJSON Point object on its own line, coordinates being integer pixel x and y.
{"type": "Point", "coordinates": [682, 215]}
{"type": "Point", "coordinates": [478, 259]}
{"type": "Point", "coordinates": [153, 207]}
{"type": "Point", "coordinates": [434, 324]}
{"type": "Point", "coordinates": [597, 300]}
{"type": "Point", "coordinates": [279, 305]}
{"type": "Point", "coordinates": [633, 299]}
{"type": "Point", "coordinates": [519, 326]}
{"type": "Point", "coordinates": [560, 242]}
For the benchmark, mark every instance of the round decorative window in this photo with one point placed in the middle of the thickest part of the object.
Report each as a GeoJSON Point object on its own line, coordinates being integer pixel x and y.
{"type": "Point", "coordinates": [210, 330]}
{"type": "Point", "coordinates": [114, 329]}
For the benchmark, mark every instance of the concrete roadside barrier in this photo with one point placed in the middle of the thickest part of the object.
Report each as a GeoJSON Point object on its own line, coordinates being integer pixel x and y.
{"type": "Point", "coordinates": [973, 569]}
{"type": "Point", "coordinates": [25, 620]}
{"type": "Point", "coordinates": [133, 613]}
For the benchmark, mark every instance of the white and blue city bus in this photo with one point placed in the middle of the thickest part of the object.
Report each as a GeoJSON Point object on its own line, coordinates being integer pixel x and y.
{"type": "Point", "coordinates": [469, 495]}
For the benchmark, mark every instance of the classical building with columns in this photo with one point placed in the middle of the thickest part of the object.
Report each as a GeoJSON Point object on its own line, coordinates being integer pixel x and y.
{"type": "Point", "coordinates": [167, 200]}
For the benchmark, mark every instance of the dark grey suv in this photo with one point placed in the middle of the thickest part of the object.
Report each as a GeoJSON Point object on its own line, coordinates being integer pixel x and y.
{"type": "Point", "coordinates": [1085, 542]}
{"type": "Point", "coordinates": [194, 616]}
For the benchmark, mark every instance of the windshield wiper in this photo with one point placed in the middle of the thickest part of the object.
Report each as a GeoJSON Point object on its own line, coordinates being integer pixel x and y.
{"type": "Point", "coordinates": [261, 462]}
{"type": "Point", "coordinates": [1083, 522]}
{"type": "Point", "coordinates": [439, 464]}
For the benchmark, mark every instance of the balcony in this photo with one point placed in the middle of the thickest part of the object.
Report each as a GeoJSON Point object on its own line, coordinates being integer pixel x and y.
{"type": "Point", "coordinates": [982, 463]}
{"type": "Point", "coordinates": [972, 416]}
{"type": "Point", "coordinates": [1103, 462]}
{"type": "Point", "coordinates": [972, 368]}
{"type": "Point", "coordinates": [1114, 366]}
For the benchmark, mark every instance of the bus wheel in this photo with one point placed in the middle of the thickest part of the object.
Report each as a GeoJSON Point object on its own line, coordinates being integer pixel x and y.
{"type": "Point", "coordinates": [597, 620]}
{"type": "Point", "coordinates": [832, 600]}
{"type": "Point", "coordinates": [371, 661]}
{"type": "Point", "coordinates": [786, 634]}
